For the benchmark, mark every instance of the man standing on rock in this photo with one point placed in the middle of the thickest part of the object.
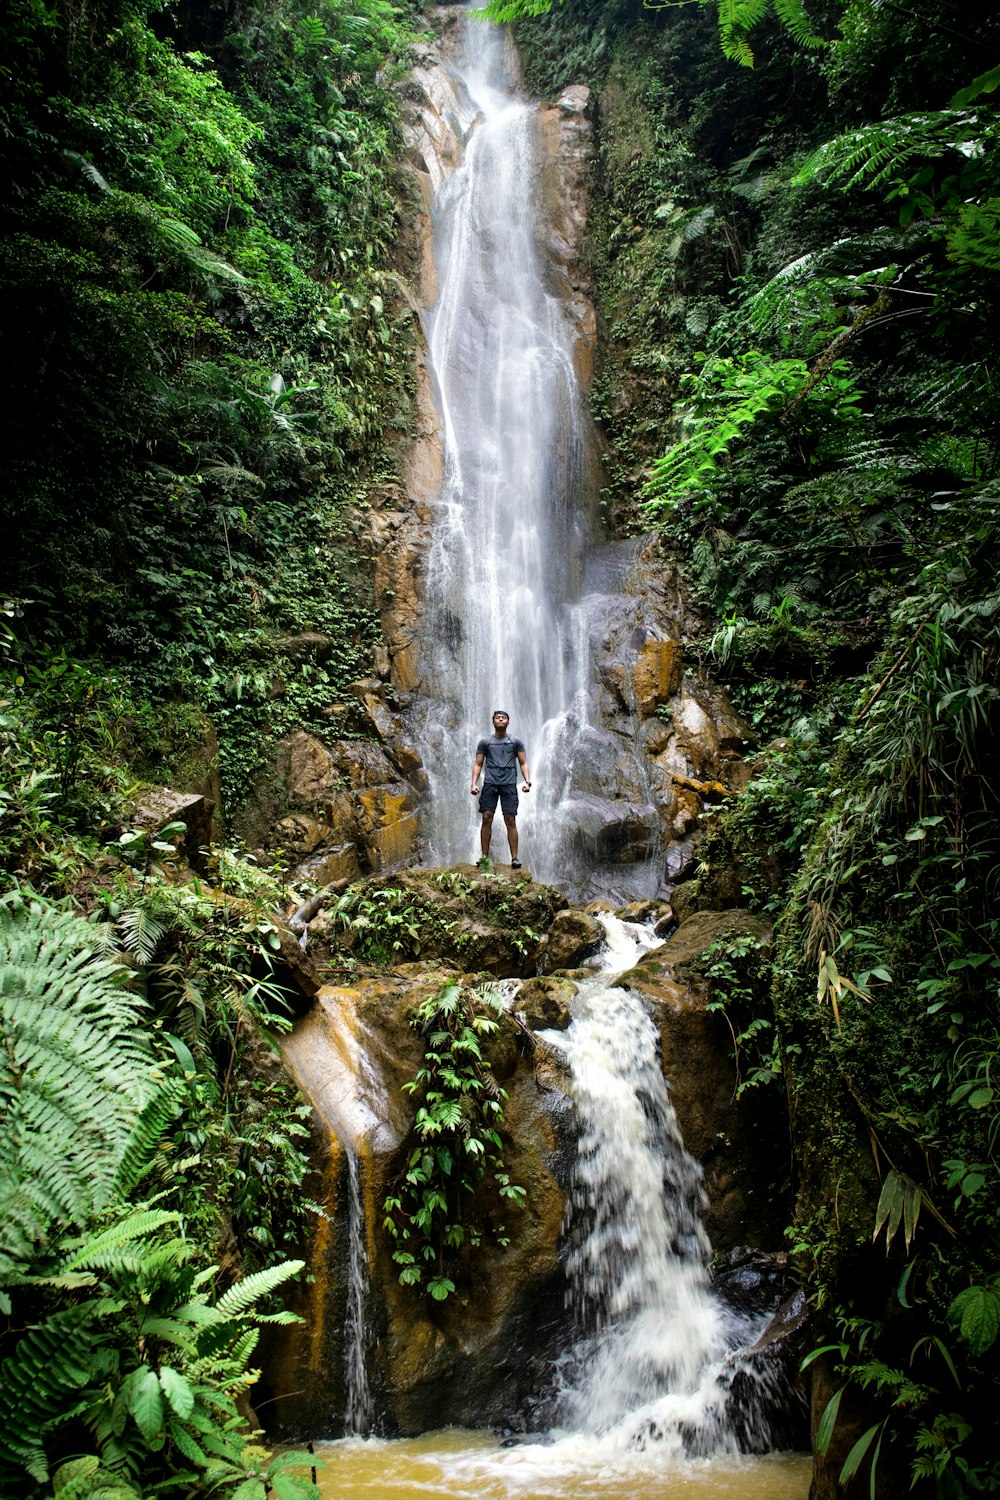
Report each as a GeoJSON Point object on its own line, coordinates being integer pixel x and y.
{"type": "Point", "coordinates": [500, 755]}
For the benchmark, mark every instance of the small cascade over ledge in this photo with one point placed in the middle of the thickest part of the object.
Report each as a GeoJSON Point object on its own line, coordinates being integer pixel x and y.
{"type": "Point", "coordinates": [656, 1352]}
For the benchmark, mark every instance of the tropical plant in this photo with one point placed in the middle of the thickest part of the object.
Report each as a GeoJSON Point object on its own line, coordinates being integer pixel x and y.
{"type": "Point", "coordinates": [457, 1127]}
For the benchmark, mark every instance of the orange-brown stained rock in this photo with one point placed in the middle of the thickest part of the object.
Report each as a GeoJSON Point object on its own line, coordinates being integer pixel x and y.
{"type": "Point", "coordinates": [657, 674]}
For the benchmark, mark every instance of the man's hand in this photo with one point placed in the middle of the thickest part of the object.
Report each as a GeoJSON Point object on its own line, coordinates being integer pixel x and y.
{"type": "Point", "coordinates": [526, 786]}
{"type": "Point", "coordinates": [475, 791]}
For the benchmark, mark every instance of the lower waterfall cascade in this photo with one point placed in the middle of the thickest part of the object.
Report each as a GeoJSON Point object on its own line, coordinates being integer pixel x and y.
{"type": "Point", "coordinates": [655, 1346]}
{"type": "Point", "coordinates": [644, 1393]}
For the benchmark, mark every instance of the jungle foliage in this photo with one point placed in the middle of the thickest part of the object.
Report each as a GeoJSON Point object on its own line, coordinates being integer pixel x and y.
{"type": "Point", "coordinates": [432, 1215]}
{"type": "Point", "coordinates": [203, 362]}
{"type": "Point", "coordinates": [123, 1176]}
{"type": "Point", "coordinates": [798, 274]}
{"type": "Point", "coordinates": [203, 350]}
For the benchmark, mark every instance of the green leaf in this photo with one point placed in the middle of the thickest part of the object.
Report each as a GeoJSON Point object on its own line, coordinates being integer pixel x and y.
{"type": "Point", "coordinates": [853, 1460]}
{"type": "Point", "coordinates": [440, 1288]}
{"type": "Point", "coordinates": [177, 1391]}
{"type": "Point", "coordinates": [145, 1402]}
{"type": "Point", "coordinates": [976, 1311]}
{"type": "Point", "coordinates": [828, 1422]}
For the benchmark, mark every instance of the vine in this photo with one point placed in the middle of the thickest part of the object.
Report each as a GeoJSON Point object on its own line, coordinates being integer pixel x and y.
{"type": "Point", "coordinates": [457, 1126]}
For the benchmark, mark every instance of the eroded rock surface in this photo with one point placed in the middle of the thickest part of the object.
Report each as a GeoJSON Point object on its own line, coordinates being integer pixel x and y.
{"type": "Point", "coordinates": [740, 1143]}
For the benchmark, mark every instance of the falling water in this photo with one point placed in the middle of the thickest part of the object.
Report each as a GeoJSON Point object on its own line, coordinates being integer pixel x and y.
{"type": "Point", "coordinates": [653, 1360]}
{"type": "Point", "coordinates": [506, 552]}
{"type": "Point", "coordinates": [357, 1414]}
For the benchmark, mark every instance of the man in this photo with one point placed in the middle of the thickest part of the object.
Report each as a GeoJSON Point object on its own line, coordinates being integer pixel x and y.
{"type": "Point", "coordinates": [500, 755]}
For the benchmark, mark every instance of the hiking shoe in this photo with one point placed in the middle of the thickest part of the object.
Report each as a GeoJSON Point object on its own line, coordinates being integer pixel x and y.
{"type": "Point", "coordinates": [515, 864]}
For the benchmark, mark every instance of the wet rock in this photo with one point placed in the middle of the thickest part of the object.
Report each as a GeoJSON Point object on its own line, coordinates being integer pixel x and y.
{"type": "Point", "coordinates": [617, 832]}
{"type": "Point", "coordinates": [545, 1003]}
{"type": "Point", "coordinates": [572, 937]}
{"type": "Point", "coordinates": [566, 139]}
{"type": "Point", "coordinates": [753, 1281]}
{"type": "Point", "coordinates": [657, 674]}
{"type": "Point", "coordinates": [740, 1143]}
{"type": "Point", "coordinates": [300, 835]}
{"type": "Point", "coordinates": [645, 912]}
{"type": "Point", "coordinates": [476, 1357]}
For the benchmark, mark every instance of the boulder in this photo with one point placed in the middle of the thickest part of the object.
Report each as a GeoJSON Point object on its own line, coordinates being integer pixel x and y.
{"type": "Point", "coordinates": [545, 1003]}
{"type": "Point", "coordinates": [159, 806]}
{"type": "Point", "coordinates": [615, 832]}
{"type": "Point", "coordinates": [573, 936]}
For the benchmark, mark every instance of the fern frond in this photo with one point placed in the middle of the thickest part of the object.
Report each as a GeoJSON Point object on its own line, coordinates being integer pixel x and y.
{"type": "Point", "coordinates": [240, 1299]}
{"type": "Point", "coordinates": [50, 1361]}
{"type": "Point", "coordinates": [141, 1151]}
{"type": "Point", "coordinates": [868, 156]}
{"type": "Point", "coordinates": [792, 16]}
{"type": "Point", "coordinates": [75, 1072]}
{"type": "Point", "coordinates": [140, 932]}
{"type": "Point", "coordinates": [94, 1250]}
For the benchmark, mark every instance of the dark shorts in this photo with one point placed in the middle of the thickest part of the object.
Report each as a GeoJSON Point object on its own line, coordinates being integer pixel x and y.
{"type": "Point", "coordinates": [507, 796]}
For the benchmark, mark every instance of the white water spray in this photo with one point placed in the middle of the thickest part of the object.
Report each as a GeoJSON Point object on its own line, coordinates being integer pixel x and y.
{"type": "Point", "coordinates": [652, 1360]}
{"type": "Point", "coordinates": [517, 499]}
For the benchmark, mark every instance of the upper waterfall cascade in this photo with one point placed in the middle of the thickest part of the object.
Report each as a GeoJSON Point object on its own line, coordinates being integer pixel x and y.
{"type": "Point", "coordinates": [504, 576]}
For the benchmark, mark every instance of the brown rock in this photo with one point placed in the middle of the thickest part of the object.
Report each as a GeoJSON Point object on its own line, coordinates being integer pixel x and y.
{"type": "Point", "coordinates": [299, 834]}
{"type": "Point", "coordinates": [572, 937]}
{"type": "Point", "coordinates": [657, 674]}
{"type": "Point", "coordinates": [545, 1003]}
{"type": "Point", "coordinates": [306, 767]}
{"type": "Point", "coordinates": [160, 806]}
{"type": "Point", "coordinates": [481, 1352]}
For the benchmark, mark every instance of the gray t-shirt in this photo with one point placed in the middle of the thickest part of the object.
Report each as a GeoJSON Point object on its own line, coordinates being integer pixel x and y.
{"type": "Point", "coordinates": [500, 760]}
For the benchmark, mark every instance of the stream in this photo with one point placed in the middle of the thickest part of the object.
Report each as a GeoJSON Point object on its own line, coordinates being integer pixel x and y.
{"type": "Point", "coordinates": [457, 1465]}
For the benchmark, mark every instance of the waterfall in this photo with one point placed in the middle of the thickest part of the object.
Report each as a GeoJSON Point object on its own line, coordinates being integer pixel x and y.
{"type": "Point", "coordinates": [357, 1415]}
{"type": "Point", "coordinates": [654, 1356]}
{"type": "Point", "coordinates": [516, 505]}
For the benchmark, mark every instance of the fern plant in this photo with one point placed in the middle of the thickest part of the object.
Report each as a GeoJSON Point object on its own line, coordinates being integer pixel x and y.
{"type": "Point", "coordinates": [76, 1072]}
{"type": "Point", "coordinates": [143, 1363]}
{"type": "Point", "coordinates": [457, 1126]}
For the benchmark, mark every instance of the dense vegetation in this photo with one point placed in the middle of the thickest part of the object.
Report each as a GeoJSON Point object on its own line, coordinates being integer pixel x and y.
{"type": "Point", "coordinates": [799, 271]}
{"type": "Point", "coordinates": [203, 363]}
{"type": "Point", "coordinates": [206, 372]}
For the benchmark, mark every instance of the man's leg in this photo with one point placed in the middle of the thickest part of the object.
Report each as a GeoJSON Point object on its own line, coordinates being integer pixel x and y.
{"type": "Point", "coordinates": [486, 833]}
{"type": "Point", "coordinates": [510, 820]}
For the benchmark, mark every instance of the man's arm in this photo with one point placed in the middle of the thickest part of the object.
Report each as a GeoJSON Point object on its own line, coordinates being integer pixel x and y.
{"type": "Point", "coordinates": [522, 761]}
{"type": "Point", "coordinates": [477, 766]}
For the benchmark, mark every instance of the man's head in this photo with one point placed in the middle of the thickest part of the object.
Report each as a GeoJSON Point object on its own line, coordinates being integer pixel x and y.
{"type": "Point", "coordinates": [501, 719]}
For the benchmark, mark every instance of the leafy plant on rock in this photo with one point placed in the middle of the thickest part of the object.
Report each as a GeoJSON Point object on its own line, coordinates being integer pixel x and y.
{"type": "Point", "coordinates": [457, 1126]}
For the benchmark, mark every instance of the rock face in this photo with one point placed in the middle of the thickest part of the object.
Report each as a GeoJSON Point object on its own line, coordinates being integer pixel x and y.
{"type": "Point", "coordinates": [474, 1361]}
{"type": "Point", "coordinates": [341, 808]}
{"type": "Point", "coordinates": [662, 742]}
{"type": "Point", "coordinates": [480, 1354]}
{"type": "Point", "coordinates": [740, 1143]}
